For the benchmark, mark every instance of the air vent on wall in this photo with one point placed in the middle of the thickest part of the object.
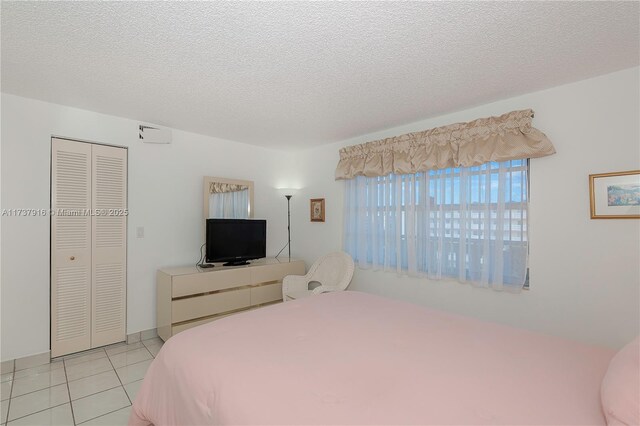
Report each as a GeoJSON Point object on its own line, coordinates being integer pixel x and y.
{"type": "Point", "coordinates": [150, 134]}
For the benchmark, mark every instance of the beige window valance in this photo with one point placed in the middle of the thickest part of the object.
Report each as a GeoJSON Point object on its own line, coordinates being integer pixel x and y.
{"type": "Point", "coordinates": [507, 137]}
{"type": "Point", "coordinates": [219, 187]}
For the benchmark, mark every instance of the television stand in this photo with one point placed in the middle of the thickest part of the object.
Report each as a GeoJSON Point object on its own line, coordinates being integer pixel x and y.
{"type": "Point", "coordinates": [236, 263]}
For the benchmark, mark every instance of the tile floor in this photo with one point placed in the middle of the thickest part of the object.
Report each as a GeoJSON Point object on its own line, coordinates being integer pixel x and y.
{"type": "Point", "coordinates": [95, 387]}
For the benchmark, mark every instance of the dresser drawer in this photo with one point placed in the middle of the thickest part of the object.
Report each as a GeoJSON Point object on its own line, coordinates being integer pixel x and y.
{"type": "Point", "coordinates": [202, 306]}
{"type": "Point", "coordinates": [187, 325]}
{"type": "Point", "coordinates": [195, 323]}
{"type": "Point", "coordinates": [276, 272]}
{"type": "Point", "coordinates": [266, 293]}
{"type": "Point", "coordinates": [204, 282]}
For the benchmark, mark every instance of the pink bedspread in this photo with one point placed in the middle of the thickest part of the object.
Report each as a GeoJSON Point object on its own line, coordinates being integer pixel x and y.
{"type": "Point", "coordinates": [355, 358]}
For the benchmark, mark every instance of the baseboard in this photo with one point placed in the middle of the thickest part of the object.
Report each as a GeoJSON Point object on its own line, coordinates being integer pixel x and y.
{"type": "Point", "coordinates": [25, 362]}
{"type": "Point", "coordinates": [45, 358]}
{"type": "Point", "coordinates": [142, 335]}
{"type": "Point", "coordinates": [7, 366]}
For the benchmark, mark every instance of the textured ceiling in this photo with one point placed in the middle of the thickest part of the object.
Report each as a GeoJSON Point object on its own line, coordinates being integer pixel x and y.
{"type": "Point", "coordinates": [292, 74]}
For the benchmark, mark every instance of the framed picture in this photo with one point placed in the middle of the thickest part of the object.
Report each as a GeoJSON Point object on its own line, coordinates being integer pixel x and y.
{"type": "Point", "coordinates": [615, 195]}
{"type": "Point", "coordinates": [317, 210]}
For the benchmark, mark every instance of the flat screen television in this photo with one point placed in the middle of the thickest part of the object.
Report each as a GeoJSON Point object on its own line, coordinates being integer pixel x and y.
{"type": "Point", "coordinates": [235, 241]}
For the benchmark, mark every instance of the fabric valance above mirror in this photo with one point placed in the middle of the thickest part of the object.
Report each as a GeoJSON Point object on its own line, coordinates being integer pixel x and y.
{"type": "Point", "coordinates": [507, 137]}
{"type": "Point", "coordinates": [226, 198]}
{"type": "Point", "coordinates": [220, 187]}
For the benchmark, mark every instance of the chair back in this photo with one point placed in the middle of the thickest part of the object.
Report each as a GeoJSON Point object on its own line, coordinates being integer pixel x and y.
{"type": "Point", "coordinates": [334, 271]}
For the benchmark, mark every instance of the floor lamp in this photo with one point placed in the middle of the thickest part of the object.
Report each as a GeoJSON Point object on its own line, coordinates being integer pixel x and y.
{"type": "Point", "coordinates": [288, 194]}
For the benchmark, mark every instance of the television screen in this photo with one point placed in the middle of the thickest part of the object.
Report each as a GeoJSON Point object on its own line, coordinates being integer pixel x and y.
{"type": "Point", "coordinates": [236, 240]}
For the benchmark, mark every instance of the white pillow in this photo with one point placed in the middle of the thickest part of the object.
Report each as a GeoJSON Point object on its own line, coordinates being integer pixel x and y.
{"type": "Point", "coordinates": [620, 390]}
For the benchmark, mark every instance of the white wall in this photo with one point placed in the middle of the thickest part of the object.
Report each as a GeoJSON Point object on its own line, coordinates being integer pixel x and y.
{"type": "Point", "coordinates": [165, 197]}
{"type": "Point", "coordinates": [585, 276]}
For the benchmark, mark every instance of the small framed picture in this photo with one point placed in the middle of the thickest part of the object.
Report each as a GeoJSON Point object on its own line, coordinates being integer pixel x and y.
{"type": "Point", "coordinates": [615, 195]}
{"type": "Point", "coordinates": [317, 210]}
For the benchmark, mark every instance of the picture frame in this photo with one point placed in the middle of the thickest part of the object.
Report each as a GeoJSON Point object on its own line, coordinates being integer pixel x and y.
{"type": "Point", "coordinates": [615, 195]}
{"type": "Point", "coordinates": [317, 209]}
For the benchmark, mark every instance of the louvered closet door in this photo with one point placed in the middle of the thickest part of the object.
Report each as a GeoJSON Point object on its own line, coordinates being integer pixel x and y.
{"type": "Point", "coordinates": [109, 194]}
{"type": "Point", "coordinates": [70, 247]}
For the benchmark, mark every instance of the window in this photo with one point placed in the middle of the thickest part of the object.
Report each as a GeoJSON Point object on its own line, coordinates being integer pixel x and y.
{"type": "Point", "coordinates": [467, 223]}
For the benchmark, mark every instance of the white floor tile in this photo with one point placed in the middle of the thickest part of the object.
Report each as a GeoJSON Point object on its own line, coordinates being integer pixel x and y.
{"type": "Point", "coordinates": [6, 377]}
{"type": "Point", "coordinates": [130, 357]}
{"type": "Point", "coordinates": [117, 418]}
{"type": "Point", "coordinates": [5, 390]}
{"type": "Point", "coordinates": [132, 389]}
{"type": "Point", "coordinates": [60, 415]}
{"type": "Point", "coordinates": [154, 349]}
{"type": "Point", "coordinates": [4, 408]}
{"type": "Point", "coordinates": [94, 355]}
{"type": "Point", "coordinates": [89, 368]}
{"type": "Point", "coordinates": [123, 347]}
{"type": "Point", "coordinates": [153, 341]}
{"type": "Point", "coordinates": [45, 368]}
{"type": "Point", "coordinates": [101, 403]}
{"type": "Point", "coordinates": [133, 372]}
{"type": "Point", "coordinates": [93, 384]}
{"type": "Point", "coordinates": [38, 401]}
{"type": "Point", "coordinates": [35, 382]}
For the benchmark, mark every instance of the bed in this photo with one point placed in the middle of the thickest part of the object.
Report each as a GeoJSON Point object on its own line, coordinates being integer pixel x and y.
{"type": "Point", "coordinates": [356, 358]}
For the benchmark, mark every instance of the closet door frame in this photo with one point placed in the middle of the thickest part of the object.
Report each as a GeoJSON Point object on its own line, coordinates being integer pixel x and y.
{"type": "Point", "coordinates": [91, 225]}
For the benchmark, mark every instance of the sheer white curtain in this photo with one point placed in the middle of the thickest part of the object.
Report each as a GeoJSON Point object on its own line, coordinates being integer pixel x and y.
{"type": "Point", "coordinates": [468, 224]}
{"type": "Point", "coordinates": [232, 205]}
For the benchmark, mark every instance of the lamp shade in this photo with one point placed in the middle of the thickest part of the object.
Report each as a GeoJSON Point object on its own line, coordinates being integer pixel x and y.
{"type": "Point", "coordinates": [287, 191]}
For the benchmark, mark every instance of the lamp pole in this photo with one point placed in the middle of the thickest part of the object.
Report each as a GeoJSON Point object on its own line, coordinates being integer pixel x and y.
{"type": "Point", "coordinates": [289, 223]}
{"type": "Point", "coordinates": [288, 227]}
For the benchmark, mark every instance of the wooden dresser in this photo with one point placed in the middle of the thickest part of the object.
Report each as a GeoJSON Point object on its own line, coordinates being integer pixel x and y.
{"type": "Point", "coordinates": [190, 296]}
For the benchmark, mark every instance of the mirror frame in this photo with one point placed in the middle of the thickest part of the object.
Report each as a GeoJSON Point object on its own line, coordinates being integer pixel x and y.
{"type": "Point", "coordinates": [208, 179]}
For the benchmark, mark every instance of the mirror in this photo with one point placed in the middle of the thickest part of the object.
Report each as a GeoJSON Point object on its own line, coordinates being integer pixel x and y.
{"type": "Point", "coordinates": [227, 198]}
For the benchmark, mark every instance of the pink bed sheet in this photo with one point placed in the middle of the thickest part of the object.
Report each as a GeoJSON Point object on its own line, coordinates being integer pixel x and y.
{"type": "Point", "coordinates": [355, 358]}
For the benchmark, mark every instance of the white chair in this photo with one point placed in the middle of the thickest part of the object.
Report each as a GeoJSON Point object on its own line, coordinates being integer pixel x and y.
{"type": "Point", "coordinates": [332, 272]}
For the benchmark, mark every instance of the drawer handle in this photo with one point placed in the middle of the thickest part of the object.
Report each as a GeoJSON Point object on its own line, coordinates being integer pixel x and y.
{"type": "Point", "coordinates": [72, 258]}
